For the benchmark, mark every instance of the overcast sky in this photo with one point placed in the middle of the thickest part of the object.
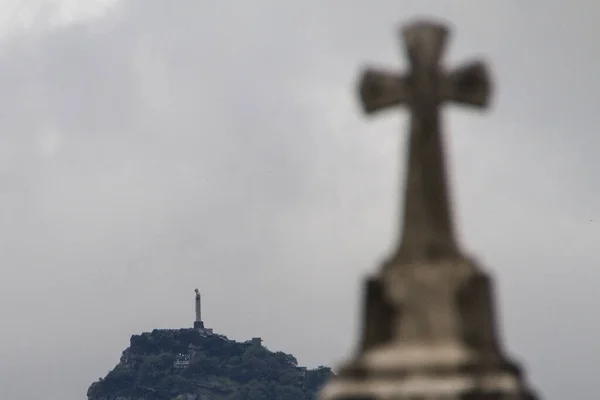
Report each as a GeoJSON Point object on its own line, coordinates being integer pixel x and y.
{"type": "Point", "coordinates": [151, 147]}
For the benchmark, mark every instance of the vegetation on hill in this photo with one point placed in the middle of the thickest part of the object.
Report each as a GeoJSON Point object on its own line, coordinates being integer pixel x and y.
{"type": "Point", "coordinates": [187, 364]}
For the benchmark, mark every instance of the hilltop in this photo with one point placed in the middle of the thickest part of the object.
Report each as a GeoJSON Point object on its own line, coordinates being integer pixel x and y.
{"type": "Point", "coordinates": [196, 364]}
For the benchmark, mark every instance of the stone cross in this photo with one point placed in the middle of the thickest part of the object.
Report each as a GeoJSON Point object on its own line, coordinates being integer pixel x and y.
{"type": "Point", "coordinates": [428, 232]}
{"type": "Point", "coordinates": [429, 329]}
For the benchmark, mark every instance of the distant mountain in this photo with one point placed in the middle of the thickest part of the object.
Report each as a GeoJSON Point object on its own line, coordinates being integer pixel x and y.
{"type": "Point", "coordinates": [195, 364]}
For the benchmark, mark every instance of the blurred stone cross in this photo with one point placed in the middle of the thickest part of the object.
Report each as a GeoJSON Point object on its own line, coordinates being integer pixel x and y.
{"type": "Point", "coordinates": [428, 231]}
{"type": "Point", "coordinates": [429, 329]}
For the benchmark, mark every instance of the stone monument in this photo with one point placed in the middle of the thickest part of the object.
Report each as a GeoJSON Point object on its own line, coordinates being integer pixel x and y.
{"type": "Point", "coordinates": [198, 324]}
{"type": "Point", "coordinates": [429, 325]}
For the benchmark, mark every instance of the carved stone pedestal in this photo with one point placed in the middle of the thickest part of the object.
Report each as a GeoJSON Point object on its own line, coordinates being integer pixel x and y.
{"type": "Point", "coordinates": [420, 374]}
{"type": "Point", "coordinates": [429, 334]}
{"type": "Point", "coordinates": [455, 388]}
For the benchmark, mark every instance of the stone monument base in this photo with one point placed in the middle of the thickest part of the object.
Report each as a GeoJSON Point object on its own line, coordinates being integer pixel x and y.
{"type": "Point", "coordinates": [198, 325]}
{"type": "Point", "coordinates": [433, 390]}
{"type": "Point", "coordinates": [433, 372]}
{"type": "Point", "coordinates": [448, 350]}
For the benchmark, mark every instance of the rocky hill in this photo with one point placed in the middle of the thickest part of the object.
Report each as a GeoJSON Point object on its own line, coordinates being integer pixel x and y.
{"type": "Point", "coordinates": [195, 364]}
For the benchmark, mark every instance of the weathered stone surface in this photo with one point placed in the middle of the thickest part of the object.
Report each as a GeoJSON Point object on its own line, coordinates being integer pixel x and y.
{"type": "Point", "coordinates": [429, 324]}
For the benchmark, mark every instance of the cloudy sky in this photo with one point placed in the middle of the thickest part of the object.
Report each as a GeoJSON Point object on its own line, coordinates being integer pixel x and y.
{"type": "Point", "coordinates": [150, 147]}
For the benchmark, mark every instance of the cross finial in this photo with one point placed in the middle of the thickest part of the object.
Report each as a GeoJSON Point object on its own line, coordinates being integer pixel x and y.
{"type": "Point", "coordinates": [427, 231]}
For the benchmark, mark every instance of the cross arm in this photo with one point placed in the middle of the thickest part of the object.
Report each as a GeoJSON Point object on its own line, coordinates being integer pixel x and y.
{"type": "Point", "coordinates": [469, 84]}
{"type": "Point", "coordinates": [380, 89]}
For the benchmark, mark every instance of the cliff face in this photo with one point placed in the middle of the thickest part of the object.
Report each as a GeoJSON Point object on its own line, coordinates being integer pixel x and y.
{"type": "Point", "coordinates": [188, 364]}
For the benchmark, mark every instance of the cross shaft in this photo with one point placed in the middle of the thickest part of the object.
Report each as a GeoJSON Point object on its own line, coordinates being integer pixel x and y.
{"type": "Point", "coordinates": [427, 231]}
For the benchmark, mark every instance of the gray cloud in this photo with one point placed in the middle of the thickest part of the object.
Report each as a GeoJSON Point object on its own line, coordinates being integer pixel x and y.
{"type": "Point", "coordinates": [162, 147]}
